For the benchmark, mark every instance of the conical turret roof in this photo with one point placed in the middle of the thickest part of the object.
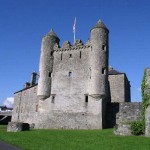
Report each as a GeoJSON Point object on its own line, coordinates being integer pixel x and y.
{"type": "Point", "coordinates": [100, 24]}
{"type": "Point", "coordinates": [52, 33]}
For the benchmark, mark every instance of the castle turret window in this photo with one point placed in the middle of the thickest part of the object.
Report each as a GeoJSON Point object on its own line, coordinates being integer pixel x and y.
{"type": "Point", "coordinates": [70, 74]}
{"type": "Point", "coordinates": [103, 70]}
{"type": "Point", "coordinates": [86, 98]}
{"type": "Point", "coordinates": [103, 47]}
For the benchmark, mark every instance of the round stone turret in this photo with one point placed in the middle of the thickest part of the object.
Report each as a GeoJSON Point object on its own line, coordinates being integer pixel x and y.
{"type": "Point", "coordinates": [99, 60]}
{"type": "Point", "coordinates": [46, 64]}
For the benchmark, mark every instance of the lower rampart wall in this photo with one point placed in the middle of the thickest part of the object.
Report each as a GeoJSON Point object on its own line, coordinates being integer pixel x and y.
{"type": "Point", "coordinates": [128, 112]}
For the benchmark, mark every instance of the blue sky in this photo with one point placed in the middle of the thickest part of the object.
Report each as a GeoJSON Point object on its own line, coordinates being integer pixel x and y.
{"type": "Point", "coordinates": [23, 23]}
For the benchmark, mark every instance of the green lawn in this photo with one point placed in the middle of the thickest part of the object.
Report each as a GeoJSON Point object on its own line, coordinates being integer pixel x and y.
{"type": "Point", "coordinates": [73, 140]}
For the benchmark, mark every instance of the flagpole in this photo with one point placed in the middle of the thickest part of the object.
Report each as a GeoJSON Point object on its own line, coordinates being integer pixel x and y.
{"type": "Point", "coordinates": [74, 29]}
{"type": "Point", "coordinates": [74, 36]}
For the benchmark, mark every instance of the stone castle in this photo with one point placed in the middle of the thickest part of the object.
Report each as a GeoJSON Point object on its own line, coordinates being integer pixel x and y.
{"type": "Point", "coordinates": [76, 88]}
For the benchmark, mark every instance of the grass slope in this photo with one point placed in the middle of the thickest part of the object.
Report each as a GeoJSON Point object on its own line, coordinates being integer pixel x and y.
{"type": "Point", "coordinates": [73, 140]}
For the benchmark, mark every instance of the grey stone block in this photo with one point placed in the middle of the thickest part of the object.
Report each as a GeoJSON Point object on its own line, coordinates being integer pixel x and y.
{"type": "Point", "coordinates": [17, 126]}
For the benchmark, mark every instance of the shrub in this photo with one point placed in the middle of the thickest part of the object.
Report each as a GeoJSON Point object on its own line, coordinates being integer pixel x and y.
{"type": "Point", "coordinates": [137, 127]}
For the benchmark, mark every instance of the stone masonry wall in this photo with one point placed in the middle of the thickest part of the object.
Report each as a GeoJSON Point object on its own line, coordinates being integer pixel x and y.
{"type": "Point", "coordinates": [67, 106]}
{"type": "Point", "coordinates": [127, 112]}
{"type": "Point", "coordinates": [117, 88]}
{"type": "Point", "coordinates": [25, 105]}
{"type": "Point", "coordinates": [147, 112]}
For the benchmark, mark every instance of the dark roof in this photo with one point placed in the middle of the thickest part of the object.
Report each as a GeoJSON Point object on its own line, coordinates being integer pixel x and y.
{"type": "Point", "coordinates": [26, 88]}
{"type": "Point", "coordinates": [114, 72]}
{"type": "Point", "coordinates": [100, 24]}
{"type": "Point", "coordinates": [52, 33]}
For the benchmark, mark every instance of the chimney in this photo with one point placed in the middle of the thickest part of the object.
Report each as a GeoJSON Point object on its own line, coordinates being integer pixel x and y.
{"type": "Point", "coordinates": [26, 85]}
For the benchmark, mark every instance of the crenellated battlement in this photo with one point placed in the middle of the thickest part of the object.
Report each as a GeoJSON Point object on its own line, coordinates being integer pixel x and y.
{"type": "Point", "coordinates": [66, 46]}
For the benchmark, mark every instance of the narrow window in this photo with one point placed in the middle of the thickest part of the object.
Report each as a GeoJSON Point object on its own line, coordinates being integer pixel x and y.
{"type": "Point", "coordinates": [90, 72]}
{"type": "Point", "coordinates": [103, 47]}
{"type": "Point", "coordinates": [102, 70]}
{"type": "Point", "coordinates": [80, 54]}
{"type": "Point", "coordinates": [70, 74]}
{"type": "Point", "coordinates": [70, 55]}
{"type": "Point", "coordinates": [53, 98]}
{"type": "Point", "coordinates": [61, 56]}
{"type": "Point", "coordinates": [86, 98]}
{"type": "Point", "coordinates": [49, 74]}
{"type": "Point", "coordinates": [51, 53]}
{"type": "Point", "coordinates": [36, 109]}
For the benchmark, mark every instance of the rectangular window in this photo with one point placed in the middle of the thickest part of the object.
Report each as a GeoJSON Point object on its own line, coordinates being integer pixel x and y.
{"type": "Point", "coordinates": [51, 53]}
{"type": "Point", "coordinates": [70, 74]}
{"type": "Point", "coordinates": [103, 47]}
{"type": "Point", "coordinates": [53, 98]}
{"type": "Point", "coordinates": [86, 98]}
{"type": "Point", "coordinates": [80, 54]}
{"type": "Point", "coordinates": [70, 55]}
{"type": "Point", "coordinates": [102, 70]}
{"type": "Point", "coordinates": [49, 74]}
{"type": "Point", "coordinates": [36, 109]}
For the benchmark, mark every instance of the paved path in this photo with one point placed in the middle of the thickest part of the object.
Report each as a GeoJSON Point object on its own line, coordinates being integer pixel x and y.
{"type": "Point", "coordinates": [6, 146]}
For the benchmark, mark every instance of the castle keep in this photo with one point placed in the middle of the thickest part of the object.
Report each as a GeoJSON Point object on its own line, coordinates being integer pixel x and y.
{"type": "Point", "coordinates": [76, 88]}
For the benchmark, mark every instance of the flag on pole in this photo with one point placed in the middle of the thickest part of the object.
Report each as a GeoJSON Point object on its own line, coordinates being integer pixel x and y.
{"type": "Point", "coordinates": [74, 25]}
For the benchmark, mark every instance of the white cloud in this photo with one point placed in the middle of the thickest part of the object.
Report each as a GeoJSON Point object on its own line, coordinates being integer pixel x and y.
{"type": "Point", "coordinates": [9, 101]}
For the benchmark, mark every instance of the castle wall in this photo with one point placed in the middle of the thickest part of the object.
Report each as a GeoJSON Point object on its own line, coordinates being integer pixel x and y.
{"type": "Point", "coordinates": [127, 112]}
{"type": "Point", "coordinates": [147, 112]}
{"type": "Point", "coordinates": [25, 105]}
{"type": "Point", "coordinates": [119, 88]}
{"type": "Point", "coordinates": [67, 107]}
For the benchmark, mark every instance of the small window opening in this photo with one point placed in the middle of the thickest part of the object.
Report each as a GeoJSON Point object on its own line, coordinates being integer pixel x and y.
{"type": "Point", "coordinates": [70, 74]}
{"type": "Point", "coordinates": [90, 72]}
{"type": "Point", "coordinates": [103, 70]}
{"type": "Point", "coordinates": [36, 108]}
{"type": "Point", "coordinates": [80, 54]}
{"type": "Point", "coordinates": [61, 56]}
{"type": "Point", "coordinates": [51, 53]}
{"type": "Point", "coordinates": [103, 47]}
{"type": "Point", "coordinates": [53, 98]}
{"type": "Point", "coordinates": [49, 74]}
{"type": "Point", "coordinates": [86, 98]}
{"type": "Point", "coordinates": [70, 55]}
